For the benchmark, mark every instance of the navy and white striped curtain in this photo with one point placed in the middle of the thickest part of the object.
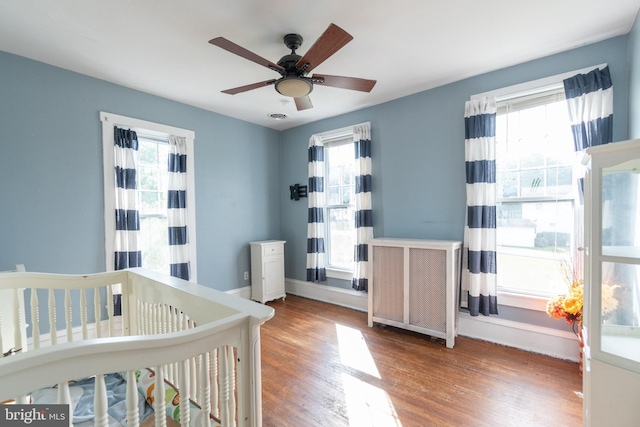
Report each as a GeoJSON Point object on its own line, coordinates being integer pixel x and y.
{"type": "Point", "coordinates": [316, 262]}
{"type": "Point", "coordinates": [590, 105]}
{"type": "Point", "coordinates": [125, 154]}
{"type": "Point", "coordinates": [177, 208]}
{"type": "Point", "coordinates": [590, 101]}
{"type": "Point", "coordinates": [363, 215]}
{"type": "Point", "coordinates": [479, 280]}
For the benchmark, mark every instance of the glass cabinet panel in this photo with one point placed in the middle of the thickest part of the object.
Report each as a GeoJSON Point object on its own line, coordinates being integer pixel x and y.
{"type": "Point", "coordinates": [621, 210]}
{"type": "Point", "coordinates": [619, 287]}
{"type": "Point", "coordinates": [620, 303]}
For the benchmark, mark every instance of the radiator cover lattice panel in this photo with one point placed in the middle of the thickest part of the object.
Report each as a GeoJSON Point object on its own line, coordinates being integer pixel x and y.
{"type": "Point", "coordinates": [388, 298]}
{"type": "Point", "coordinates": [427, 288]}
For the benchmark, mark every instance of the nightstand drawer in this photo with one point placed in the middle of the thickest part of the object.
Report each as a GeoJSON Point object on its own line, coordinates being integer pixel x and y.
{"type": "Point", "coordinates": [275, 249]}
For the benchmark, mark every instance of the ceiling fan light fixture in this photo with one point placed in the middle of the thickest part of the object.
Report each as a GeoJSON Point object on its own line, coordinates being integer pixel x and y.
{"type": "Point", "coordinates": [294, 87]}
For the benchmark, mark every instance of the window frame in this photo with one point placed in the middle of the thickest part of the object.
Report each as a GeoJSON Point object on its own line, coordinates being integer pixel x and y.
{"type": "Point", "coordinates": [539, 86]}
{"type": "Point", "coordinates": [326, 138]}
{"type": "Point", "coordinates": [150, 129]}
{"type": "Point", "coordinates": [328, 144]}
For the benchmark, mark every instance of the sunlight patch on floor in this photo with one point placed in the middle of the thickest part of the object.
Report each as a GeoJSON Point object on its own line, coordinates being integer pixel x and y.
{"type": "Point", "coordinates": [354, 351]}
{"type": "Point", "coordinates": [367, 405]}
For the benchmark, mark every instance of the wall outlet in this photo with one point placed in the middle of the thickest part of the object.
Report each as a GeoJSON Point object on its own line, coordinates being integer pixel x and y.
{"type": "Point", "coordinates": [246, 275]}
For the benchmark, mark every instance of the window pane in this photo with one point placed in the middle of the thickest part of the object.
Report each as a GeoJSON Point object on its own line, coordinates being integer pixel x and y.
{"type": "Point", "coordinates": [333, 196]}
{"type": "Point", "coordinates": [341, 237]}
{"type": "Point", "coordinates": [507, 184]}
{"type": "Point", "coordinates": [152, 181]}
{"type": "Point", "coordinates": [149, 203]}
{"type": "Point", "coordinates": [346, 194]}
{"type": "Point", "coordinates": [340, 161]}
{"type": "Point", "coordinates": [154, 244]}
{"type": "Point", "coordinates": [534, 245]}
{"type": "Point", "coordinates": [147, 152]}
{"type": "Point", "coordinates": [532, 183]}
{"type": "Point", "coordinates": [148, 177]}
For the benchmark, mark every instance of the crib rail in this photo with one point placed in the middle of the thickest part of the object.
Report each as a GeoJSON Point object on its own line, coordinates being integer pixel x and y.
{"type": "Point", "coordinates": [205, 342]}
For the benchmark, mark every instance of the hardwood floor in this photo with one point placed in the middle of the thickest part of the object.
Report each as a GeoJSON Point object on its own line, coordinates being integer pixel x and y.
{"type": "Point", "coordinates": [323, 366]}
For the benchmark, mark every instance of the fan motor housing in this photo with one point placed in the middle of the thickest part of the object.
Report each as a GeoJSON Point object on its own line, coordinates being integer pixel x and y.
{"type": "Point", "coordinates": [288, 62]}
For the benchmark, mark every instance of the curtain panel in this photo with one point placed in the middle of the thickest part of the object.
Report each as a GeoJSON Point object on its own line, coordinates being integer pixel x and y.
{"type": "Point", "coordinates": [590, 102]}
{"type": "Point", "coordinates": [177, 208]}
{"type": "Point", "coordinates": [363, 214]}
{"type": "Point", "coordinates": [590, 106]}
{"type": "Point", "coordinates": [316, 262]}
{"type": "Point", "coordinates": [125, 154]}
{"type": "Point", "coordinates": [479, 280]}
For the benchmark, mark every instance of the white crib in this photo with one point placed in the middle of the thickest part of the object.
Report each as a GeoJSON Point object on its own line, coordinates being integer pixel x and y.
{"type": "Point", "coordinates": [203, 342]}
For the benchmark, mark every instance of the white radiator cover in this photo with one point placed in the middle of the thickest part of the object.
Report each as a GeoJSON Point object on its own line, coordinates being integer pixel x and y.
{"type": "Point", "coordinates": [413, 284]}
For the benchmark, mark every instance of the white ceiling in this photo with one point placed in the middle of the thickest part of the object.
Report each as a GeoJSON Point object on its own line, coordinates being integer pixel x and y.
{"type": "Point", "coordinates": [161, 46]}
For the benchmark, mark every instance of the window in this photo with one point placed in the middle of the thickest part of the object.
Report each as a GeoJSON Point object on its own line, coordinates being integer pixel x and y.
{"type": "Point", "coordinates": [153, 156]}
{"type": "Point", "coordinates": [340, 202]}
{"type": "Point", "coordinates": [536, 193]}
{"type": "Point", "coordinates": [153, 151]}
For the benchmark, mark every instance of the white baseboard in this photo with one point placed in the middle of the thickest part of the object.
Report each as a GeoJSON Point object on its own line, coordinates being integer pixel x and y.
{"type": "Point", "coordinates": [536, 339]}
{"type": "Point", "coordinates": [338, 296]}
{"type": "Point", "coordinates": [244, 292]}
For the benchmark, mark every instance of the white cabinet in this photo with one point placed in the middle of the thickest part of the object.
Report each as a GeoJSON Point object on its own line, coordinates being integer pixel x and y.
{"type": "Point", "coordinates": [267, 270]}
{"type": "Point", "coordinates": [413, 284]}
{"type": "Point", "coordinates": [611, 320]}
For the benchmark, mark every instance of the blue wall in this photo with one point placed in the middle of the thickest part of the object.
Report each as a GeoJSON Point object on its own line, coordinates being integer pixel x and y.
{"type": "Point", "coordinates": [418, 150]}
{"type": "Point", "coordinates": [51, 189]}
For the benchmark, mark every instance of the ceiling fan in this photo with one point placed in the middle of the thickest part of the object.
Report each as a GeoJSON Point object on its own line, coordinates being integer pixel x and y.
{"type": "Point", "coordinates": [293, 68]}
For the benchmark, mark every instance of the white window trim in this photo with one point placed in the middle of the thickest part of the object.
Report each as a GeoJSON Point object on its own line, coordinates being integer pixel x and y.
{"type": "Point", "coordinates": [327, 136]}
{"type": "Point", "coordinates": [527, 301]}
{"type": "Point", "coordinates": [110, 120]}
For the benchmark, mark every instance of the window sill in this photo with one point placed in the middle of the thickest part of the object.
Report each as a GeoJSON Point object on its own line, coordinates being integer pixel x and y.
{"type": "Point", "coordinates": [530, 302]}
{"type": "Point", "coordinates": [339, 274]}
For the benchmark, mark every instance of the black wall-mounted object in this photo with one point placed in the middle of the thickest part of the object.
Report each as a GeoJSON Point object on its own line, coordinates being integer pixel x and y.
{"type": "Point", "coordinates": [298, 191]}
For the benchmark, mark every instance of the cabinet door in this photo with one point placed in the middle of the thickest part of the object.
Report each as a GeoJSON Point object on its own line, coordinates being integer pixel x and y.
{"type": "Point", "coordinates": [273, 275]}
{"type": "Point", "coordinates": [616, 268]}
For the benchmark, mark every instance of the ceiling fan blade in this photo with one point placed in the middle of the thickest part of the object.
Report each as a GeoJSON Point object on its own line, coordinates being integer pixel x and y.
{"type": "Point", "coordinates": [246, 54]}
{"type": "Point", "coordinates": [332, 40]}
{"type": "Point", "coordinates": [248, 87]}
{"type": "Point", "coordinates": [342, 82]}
{"type": "Point", "coordinates": [303, 103]}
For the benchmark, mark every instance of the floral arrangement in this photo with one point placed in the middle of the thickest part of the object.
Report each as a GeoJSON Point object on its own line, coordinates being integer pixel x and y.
{"type": "Point", "coordinates": [570, 304]}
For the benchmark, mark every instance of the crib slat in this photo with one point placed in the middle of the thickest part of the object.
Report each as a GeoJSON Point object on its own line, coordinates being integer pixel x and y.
{"type": "Point", "coordinates": [35, 318]}
{"type": "Point", "coordinates": [110, 310]}
{"type": "Point", "coordinates": [159, 407]}
{"type": "Point", "coordinates": [64, 397]}
{"type": "Point", "coordinates": [100, 404]}
{"type": "Point", "coordinates": [204, 392]}
{"type": "Point", "coordinates": [225, 415]}
{"type": "Point", "coordinates": [97, 312]}
{"type": "Point", "coordinates": [215, 383]}
{"type": "Point", "coordinates": [133, 417]}
{"type": "Point", "coordinates": [185, 413]}
{"type": "Point", "coordinates": [67, 314]}
{"type": "Point", "coordinates": [17, 324]}
{"type": "Point", "coordinates": [53, 332]}
{"type": "Point", "coordinates": [231, 360]}
{"type": "Point", "coordinates": [83, 314]}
